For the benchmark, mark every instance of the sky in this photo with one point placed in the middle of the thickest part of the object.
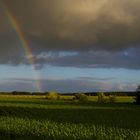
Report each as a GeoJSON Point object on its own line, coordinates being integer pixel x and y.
{"type": "Point", "coordinates": [69, 46]}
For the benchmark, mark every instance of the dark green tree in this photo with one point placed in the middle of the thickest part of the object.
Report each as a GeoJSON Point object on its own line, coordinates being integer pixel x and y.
{"type": "Point", "coordinates": [137, 99]}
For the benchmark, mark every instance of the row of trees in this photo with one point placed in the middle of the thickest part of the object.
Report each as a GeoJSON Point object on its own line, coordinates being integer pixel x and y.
{"type": "Point", "coordinates": [82, 97]}
{"type": "Point", "coordinates": [101, 97]}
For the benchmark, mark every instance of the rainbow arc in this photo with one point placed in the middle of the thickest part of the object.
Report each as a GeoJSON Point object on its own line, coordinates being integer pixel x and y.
{"type": "Point", "coordinates": [24, 44]}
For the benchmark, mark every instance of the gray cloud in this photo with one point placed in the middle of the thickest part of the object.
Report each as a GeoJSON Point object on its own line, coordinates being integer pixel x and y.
{"type": "Point", "coordinates": [127, 59]}
{"type": "Point", "coordinates": [73, 26]}
{"type": "Point", "coordinates": [95, 78]}
{"type": "Point", "coordinates": [67, 85]}
{"type": "Point", "coordinates": [17, 85]}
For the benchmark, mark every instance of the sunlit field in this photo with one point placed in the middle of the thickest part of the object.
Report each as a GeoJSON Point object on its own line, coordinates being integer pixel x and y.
{"type": "Point", "coordinates": [34, 117]}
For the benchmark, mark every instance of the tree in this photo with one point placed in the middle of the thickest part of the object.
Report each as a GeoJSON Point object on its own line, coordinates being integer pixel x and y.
{"type": "Point", "coordinates": [81, 97]}
{"type": "Point", "coordinates": [53, 95]}
{"type": "Point", "coordinates": [101, 97]}
{"type": "Point", "coordinates": [137, 99]}
{"type": "Point", "coordinates": [138, 88]}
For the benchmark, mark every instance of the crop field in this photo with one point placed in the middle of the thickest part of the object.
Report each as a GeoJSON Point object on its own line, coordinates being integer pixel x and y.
{"type": "Point", "coordinates": [36, 118]}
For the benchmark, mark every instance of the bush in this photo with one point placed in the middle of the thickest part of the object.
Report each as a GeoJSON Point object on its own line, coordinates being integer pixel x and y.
{"type": "Point", "coordinates": [101, 97]}
{"type": "Point", "coordinates": [81, 97]}
{"type": "Point", "coordinates": [53, 96]}
{"type": "Point", "coordinates": [112, 98]}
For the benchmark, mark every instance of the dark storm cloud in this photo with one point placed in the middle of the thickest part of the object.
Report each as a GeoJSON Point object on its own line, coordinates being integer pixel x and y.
{"type": "Point", "coordinates": [72, 26]}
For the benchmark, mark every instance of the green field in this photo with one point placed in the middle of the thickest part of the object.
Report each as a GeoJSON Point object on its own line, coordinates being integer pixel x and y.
{"type": "Point", "coordinates": [35, 118]}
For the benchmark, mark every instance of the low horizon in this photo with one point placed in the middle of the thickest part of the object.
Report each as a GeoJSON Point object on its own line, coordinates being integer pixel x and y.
{"type": "Point", "coordinates": [44, 92]}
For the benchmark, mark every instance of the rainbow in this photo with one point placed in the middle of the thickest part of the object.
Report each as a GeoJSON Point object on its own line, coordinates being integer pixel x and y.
{"type": "Point", "coordinates": [24, 44]}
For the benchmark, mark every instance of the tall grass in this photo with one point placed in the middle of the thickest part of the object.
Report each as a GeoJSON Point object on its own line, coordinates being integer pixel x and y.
{"type": "Point", "coordinates": [17, 128]}
{"type": "Point", "coordinates": [36, 118]}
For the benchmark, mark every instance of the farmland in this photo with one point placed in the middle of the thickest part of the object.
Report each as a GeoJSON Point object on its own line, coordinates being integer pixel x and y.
{"type": "Point", "coordinates": [34, 117]}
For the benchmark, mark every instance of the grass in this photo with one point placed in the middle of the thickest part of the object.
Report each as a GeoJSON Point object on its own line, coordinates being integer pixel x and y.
{"type": "Point", "coordinates": [119, 99]}
{"type": "Point", "coordinates": [24, 118]}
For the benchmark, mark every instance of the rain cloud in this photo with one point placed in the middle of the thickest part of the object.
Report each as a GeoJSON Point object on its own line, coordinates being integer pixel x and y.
{"type": "Point", "coordinates": [97, 31]}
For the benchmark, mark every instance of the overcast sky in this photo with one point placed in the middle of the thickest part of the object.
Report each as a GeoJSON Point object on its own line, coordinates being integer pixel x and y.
{"type": "Point", "coordinates": [77, 45]}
